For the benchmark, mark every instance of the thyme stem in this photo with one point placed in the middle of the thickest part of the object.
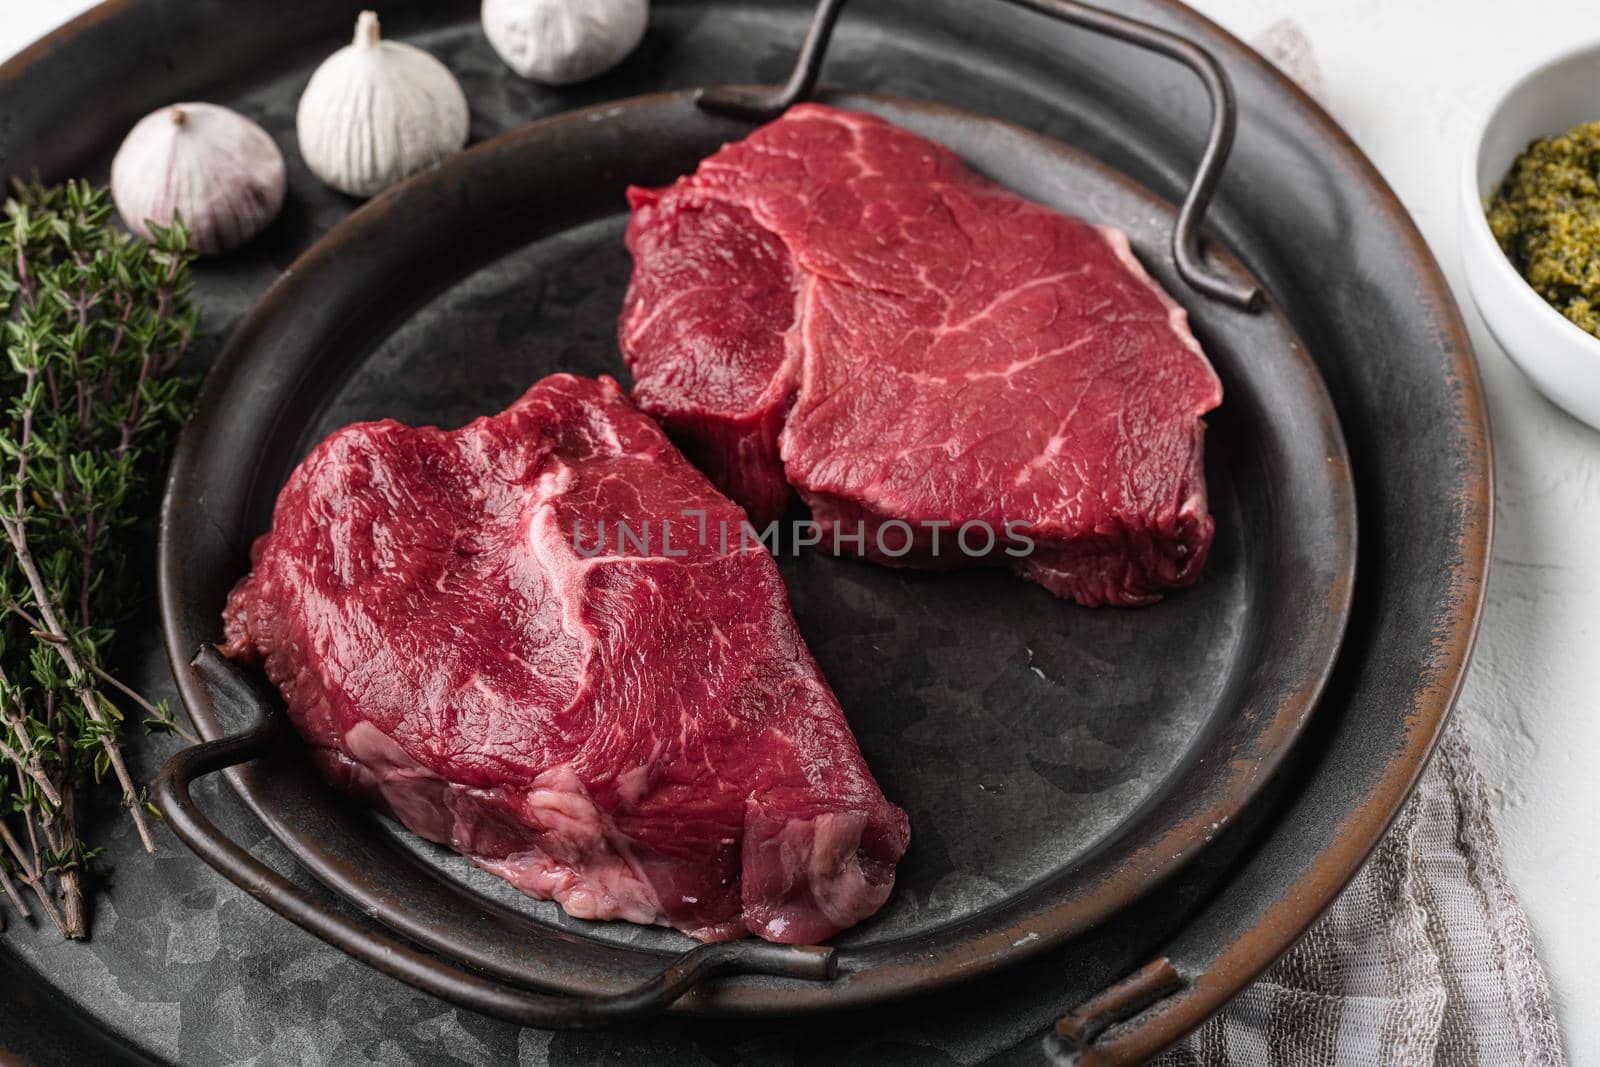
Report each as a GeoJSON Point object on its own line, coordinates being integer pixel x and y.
{"type": "Point", "coordinates": [91, 321]}
{"type": "Point", "coordinates": [91, 703]}
{"type": "Point", "coordinates": [144, 705]}
{"type": "Point", "coordinates": [31, 878]}
{"type": "Point", "coordinates": [30, 767]}
{"type": "Point", "coordinates": [27, 760]}
{"type": "Point", "coordinates": [11, 891]}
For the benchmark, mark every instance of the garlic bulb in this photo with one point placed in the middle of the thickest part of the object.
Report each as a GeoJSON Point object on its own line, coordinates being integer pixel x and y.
{"type": "Point", "coordinates": [378, 111]}
{"type": "Point", "coordinates": [212, 167]}
{"type": "Point", "coordinates": [559, 42]}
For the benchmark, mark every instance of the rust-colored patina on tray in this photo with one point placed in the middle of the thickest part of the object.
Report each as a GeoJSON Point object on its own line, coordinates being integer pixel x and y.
{"type": "Point", "coordinates": [1299, 207]}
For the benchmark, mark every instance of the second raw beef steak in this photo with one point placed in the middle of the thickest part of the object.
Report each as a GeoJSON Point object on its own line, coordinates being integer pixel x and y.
{"type": "Point", "coordinates": [840, 306]}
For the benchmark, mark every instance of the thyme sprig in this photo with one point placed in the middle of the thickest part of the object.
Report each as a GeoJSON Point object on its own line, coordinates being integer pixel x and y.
{"type": "Point", "coordinates": [94, 321]}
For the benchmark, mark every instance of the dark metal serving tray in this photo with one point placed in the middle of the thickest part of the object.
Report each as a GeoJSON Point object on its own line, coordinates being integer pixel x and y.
{"type": "Point", "coordinates": [1328, 242]}
{"type": "Point", "coordinates": [983, 703]}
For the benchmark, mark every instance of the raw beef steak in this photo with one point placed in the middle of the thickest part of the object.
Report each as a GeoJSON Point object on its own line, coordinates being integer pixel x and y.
{"type": "Point", "coordinates": [838, 305]}
{"type": "Point", "coordinates": [629, 724]}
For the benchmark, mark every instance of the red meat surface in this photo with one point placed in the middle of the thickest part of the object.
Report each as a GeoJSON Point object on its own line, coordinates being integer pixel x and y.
{"type": "Point", "coordinates": [632, 726]}
{"type": "Point", "coordinates": [839, 307]}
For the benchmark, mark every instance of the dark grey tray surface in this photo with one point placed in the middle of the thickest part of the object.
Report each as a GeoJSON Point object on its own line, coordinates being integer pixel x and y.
{"type": "Point", "coordinates": [184, 967]}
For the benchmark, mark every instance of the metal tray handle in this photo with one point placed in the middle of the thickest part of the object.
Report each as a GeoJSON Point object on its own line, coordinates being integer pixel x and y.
{"type": "Point", "coordinates": [1072, 1042]}
{"type": "Point", "coordinates": [1075, 1034]}
{"type": "Point", "coordinates": [763, 105]}
{"type": "Point", "coordinates": [395, 957]}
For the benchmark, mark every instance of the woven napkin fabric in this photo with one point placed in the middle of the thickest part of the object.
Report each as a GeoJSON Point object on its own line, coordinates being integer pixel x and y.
{"type": "Point", "coordinates": [1426, 958]}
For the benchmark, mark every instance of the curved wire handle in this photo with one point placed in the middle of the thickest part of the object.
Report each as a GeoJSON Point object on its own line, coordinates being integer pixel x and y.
{"type": "Point", "coordinates": [400, 959]}
{"type": "Point", "coordinates": [1072, 1041]}
{"type": "Point", "coordinates": [765, 104]}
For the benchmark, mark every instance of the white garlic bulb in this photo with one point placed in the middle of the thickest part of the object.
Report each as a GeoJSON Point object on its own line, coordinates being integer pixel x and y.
{"type": "Point", "coordinates": [212, 167]}
{"type": "Point", "coordinates": [378, 111]}
{"type": "Point", "coordinates": [559, 42]}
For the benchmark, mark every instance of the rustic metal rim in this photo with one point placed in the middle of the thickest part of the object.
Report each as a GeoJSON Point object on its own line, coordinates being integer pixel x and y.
{"type": "Point", "coordinates": [1131, 872]}
{"type": "Point", "coordinates": [1248, 956]}
{"type": "Point", "coordinates": [1251, 953]}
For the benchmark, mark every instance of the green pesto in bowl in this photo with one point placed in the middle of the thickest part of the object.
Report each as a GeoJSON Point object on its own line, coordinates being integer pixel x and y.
{"type": "Point", "coordinates": [1546, 215]}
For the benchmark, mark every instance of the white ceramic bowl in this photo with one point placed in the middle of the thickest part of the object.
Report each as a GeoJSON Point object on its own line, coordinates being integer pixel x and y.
{"type": "Point", "coordinates": [1562, 359]}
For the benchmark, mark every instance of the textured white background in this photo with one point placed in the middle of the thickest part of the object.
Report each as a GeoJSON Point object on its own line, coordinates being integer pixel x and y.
{"type": "Point", "coordinates": [1409, 78]}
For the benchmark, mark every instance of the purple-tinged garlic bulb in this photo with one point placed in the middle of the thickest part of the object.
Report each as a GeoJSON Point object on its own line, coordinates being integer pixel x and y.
{"type": "Point", "coordinates": [202, 163]}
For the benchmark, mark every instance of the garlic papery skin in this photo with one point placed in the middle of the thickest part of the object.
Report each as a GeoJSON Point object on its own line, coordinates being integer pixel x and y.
{"type": "Point", "coordinates": [378, 111]}
{"type": "Point", "coordinates": [558, 42]}
{"type": "Point", "coordinates": [209, 166]}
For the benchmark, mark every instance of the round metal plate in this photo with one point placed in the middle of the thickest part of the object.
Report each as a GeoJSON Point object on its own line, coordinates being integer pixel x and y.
{"type": "Point", "coordinates": [185, 967]}
{"type": "Point", "coordinates": [1056, 762]}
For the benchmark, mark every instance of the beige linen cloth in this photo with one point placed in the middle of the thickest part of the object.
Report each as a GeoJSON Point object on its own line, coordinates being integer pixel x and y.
{"type": "Point", "coordinates": [1426, 959]}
